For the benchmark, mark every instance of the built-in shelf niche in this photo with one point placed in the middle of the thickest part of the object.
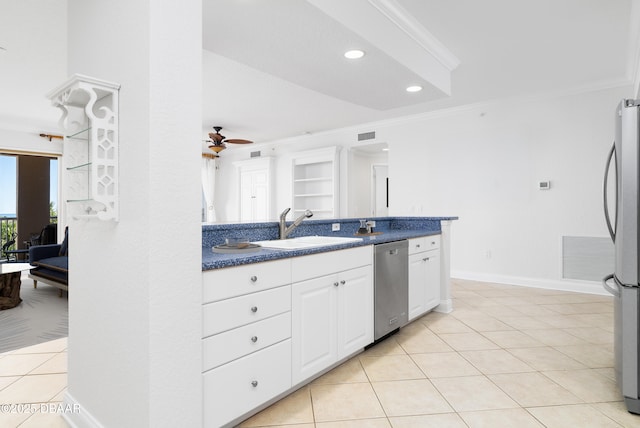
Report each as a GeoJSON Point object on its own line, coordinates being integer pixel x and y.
{"type": "Point", "coordinates": [90, 148]}
{"type": "Point", "coordinates": [315, 182]}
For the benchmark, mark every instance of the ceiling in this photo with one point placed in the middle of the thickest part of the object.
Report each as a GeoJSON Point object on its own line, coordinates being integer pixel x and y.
{"type": "Point", "coordinates": [275, 69]}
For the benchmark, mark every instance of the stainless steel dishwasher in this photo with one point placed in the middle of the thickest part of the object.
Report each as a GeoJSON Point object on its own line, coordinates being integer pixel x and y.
{"type": "Point", "coordinates": [391, 287]}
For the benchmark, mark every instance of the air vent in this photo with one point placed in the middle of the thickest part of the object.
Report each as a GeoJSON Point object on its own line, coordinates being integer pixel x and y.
{"type": "Point", "coordinates": [367, 136]}
{"type": "Point", "coordinates": [255, 154]}
{"type": "Point", "coordinates": [587, 258]}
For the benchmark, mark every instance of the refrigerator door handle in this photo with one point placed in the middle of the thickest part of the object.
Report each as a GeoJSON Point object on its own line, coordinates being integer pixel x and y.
{"type": "Point", "coordinates": [611, 156]}
{"type": "Point", "coordinates": [614, 291]}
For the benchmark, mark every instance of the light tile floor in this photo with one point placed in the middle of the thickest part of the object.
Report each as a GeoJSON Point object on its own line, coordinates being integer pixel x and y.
{"type": "Point", "coordinates": [32, 383]}
{"type": "Point", "coordinates": [506, 356]}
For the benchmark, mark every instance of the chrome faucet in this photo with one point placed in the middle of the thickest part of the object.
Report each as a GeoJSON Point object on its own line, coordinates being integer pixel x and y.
{"type": "Point", "coordinates": [284, 230]}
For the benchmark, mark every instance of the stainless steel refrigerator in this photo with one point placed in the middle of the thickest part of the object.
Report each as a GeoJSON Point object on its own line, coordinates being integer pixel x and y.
{"type": "Point", "coordinates": [622, 222]}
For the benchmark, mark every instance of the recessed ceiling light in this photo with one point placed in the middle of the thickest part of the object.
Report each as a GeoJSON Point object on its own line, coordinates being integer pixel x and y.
{"type": "Point", "coordinates": [415, 88]}
{"type": "Point", "coordinates": [354, 54]}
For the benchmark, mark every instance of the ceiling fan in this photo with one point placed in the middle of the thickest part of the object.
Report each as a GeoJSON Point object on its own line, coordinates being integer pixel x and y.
{"type": "Point", "coordinates": [218, 140]}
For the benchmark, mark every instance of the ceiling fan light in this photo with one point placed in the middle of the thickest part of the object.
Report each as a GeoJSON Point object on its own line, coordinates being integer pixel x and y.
{"type": "Point", "coordinates": [414, 88]}
{"type": "Point", "coordinates": [354, 54]}
{"type": "Point", "coordinates": [217, 147]}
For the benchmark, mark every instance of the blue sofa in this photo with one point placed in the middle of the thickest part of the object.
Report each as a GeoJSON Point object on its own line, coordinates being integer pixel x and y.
{"type": "Point", "coordinates": [51, 264]}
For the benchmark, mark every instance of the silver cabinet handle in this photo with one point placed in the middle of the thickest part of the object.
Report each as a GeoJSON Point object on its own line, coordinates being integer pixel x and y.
{"type": "Point", "coordinates": [254, 383]}
{"type": "Point", "coordinates": [343, 282]}
{"type": "Point", "coordinates": [254, 278]}
{"type": "Point", "coordinates": [417, 245]}
{"type": "Point", "coordinates": [254, 309]}
{"type": "Point", "coordinates": [425, 259]}
{"type": "Point", "coordinates": [433, 242]}
{"type": "Point", "coordinates": [336, 283]}
{"type": "Point", "coordinates": [254, 339]}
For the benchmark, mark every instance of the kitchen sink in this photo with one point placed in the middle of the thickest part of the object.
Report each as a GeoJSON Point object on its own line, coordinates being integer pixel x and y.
{"type": "Point", "coordinates": [303, 242]}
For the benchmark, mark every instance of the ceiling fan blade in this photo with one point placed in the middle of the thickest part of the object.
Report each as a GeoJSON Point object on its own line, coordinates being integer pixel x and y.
{"type": "Point", "coordinates": [216, 137]}
{"type": "Point", "coordinates": [238, 141]}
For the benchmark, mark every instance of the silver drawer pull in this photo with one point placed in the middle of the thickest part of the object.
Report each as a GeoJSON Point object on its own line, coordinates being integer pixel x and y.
{"type": "Point", "coordinates": [254, 383]}
{"type": "Point", "coordinates": [336, 283]}
{"type": "Point", "coordinates": [254, 278]}
{"type": "Point", "coordinates": [254, 309]}
{"type": "Point", "coordinates": [343, 282]}
{"type": "Point", "coordinates": [417, 245]}
{"type": "Point", "coordinates": [426, 259]}
{"type": "Point", "coordinates": [254, 339]}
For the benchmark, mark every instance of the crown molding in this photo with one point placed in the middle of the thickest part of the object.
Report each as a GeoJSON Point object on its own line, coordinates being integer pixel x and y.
{"type": "Point", "coordinates": [400, 17]}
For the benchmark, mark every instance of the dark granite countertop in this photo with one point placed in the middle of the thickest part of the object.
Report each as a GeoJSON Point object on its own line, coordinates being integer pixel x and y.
{"type": "Point", "coordinates": [392, 228]}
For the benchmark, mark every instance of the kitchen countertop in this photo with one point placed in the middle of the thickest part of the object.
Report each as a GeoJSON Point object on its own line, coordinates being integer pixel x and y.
{"type": "Point", "coordinates": [400, 230]}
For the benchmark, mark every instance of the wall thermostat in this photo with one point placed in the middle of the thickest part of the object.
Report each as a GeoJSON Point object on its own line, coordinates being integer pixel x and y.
{"type": "Point", "coordinates": [544, 185]}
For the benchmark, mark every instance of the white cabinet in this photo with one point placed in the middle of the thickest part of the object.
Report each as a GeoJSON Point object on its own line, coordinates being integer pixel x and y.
{"type": "Point", "coordinates": [424, 275]}
{"type": "Point", "coordinates": [255, 189]}
{"type": "Point", "coordinates": [332, 314]}
{"type": "Point", "coordinates": [246, 338]}
{"type": "Point", "coordinates": [269, 326]}
{"type": "Point", "coordinates": [315, 183]}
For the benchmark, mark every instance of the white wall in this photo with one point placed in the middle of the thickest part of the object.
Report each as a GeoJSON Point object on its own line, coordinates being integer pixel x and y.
{"type": "Point", "coordinates": [135, 286]}
{"type": "Point", "coordinates": [483, 164]}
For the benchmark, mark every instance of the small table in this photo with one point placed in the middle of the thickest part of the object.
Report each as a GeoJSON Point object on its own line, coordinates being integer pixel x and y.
{"type": "Point", "coordinates": [10, 284]}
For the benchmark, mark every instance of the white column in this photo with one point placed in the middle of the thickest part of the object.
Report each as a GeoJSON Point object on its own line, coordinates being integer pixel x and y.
{"type": "Point", "coordinates": [446, 304]}
{"type": "Point", "coordinates": [135, 286]}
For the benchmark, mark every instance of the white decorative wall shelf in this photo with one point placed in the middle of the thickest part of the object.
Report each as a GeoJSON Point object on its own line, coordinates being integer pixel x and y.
{"type": "Point", "coordinates": [90, 148]}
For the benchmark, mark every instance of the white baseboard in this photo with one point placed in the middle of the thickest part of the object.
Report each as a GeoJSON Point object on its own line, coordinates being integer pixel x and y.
{"type": "Point", "coordinates": [80, 419]}
{"type": "Point", "coordinates": [589, 287]}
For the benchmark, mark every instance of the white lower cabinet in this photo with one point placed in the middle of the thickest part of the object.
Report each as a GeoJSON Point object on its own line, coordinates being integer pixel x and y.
{"type": "Point", "coordinates": [332, 317]}
{"type": "Point", "coordinates": [246, 338]}
{"type": "Point", "coordinates": [424, 277]}
{"type": "Point", "coordinates": [257, 325]}
{"type": "Point", "coordinates": [236, 388]}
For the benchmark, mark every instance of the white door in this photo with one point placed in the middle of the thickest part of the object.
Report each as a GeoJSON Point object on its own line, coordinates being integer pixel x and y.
{"type": "Point", "coordinates": [380, 183]}
{"type": "Point", "coordinates": [254, 195]}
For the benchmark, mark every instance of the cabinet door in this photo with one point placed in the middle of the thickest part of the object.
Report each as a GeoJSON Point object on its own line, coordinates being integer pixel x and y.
{"type": "Point", "coordinates": [432, 294]}
{"type": "Point", "coordinates": [417, 284]}
{"type": "Point", "coordinates": [355, 310]}
{"type": "Point", "coordinates": [313, 329]}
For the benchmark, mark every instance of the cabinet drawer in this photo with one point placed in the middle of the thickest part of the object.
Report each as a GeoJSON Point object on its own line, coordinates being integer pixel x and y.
{"type": "Point", "coordinates": [241, 341]}
{"type": "Point", "coordinates": [424, 243]}
{"type": "Point", "coordinates": [316, 265]}
{"type": "Point", "coordinates": [234, 281]}
{"type": "Point", "coordinates": [231, 313]}
{"type": "Point", "coordinates": [232, 390]}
